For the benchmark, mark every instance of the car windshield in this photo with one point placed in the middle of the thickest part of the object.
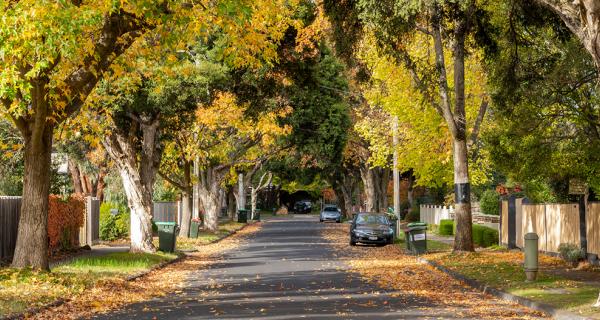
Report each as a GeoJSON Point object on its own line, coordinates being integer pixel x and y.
{"type": "Point", "coordinates": [330, 209]}
{"type": "Point", "coordinates": [371, 219]}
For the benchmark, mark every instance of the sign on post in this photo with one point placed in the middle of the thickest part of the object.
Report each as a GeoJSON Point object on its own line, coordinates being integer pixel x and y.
{"type": "Point", "coordinates": [577, 186]}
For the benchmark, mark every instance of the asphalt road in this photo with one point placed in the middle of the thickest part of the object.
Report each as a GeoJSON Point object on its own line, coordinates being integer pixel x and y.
{"type": "Point", "coordinates": [284, 271]}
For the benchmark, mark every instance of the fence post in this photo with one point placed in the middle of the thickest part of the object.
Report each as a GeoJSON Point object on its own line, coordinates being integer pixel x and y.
{"type": "Point", "coordinates": [512, 223]}
{"type": "Point", "coordinates": [583, 223]}
{"type": "Point", "coordinates": [88, 220]}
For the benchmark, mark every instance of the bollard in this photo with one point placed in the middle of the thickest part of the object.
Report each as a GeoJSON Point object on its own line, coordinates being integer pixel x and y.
{"type": "Point", "coordinates": [531, 256]}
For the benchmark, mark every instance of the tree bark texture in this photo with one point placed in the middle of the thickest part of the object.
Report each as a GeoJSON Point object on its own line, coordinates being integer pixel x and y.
{"type": "Point", "coordinates": [32, 237]}
{"type": "Point", "coordinates": [186, 200]}
{"type": "Point", "coordinates": [138, 169]}
{"type": "Point", "coordinates": [209, 187]}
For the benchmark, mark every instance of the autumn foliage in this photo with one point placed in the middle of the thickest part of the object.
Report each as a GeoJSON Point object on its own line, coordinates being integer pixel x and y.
{"type": "Point", "coordinates": [65, 217]}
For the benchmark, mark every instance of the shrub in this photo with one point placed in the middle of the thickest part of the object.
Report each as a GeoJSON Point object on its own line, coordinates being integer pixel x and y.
{"type": "Point", "coordinates": [414, 214]}
{"type": "Point", "coordinates": [490, 202]}
{"type": "Point", "coordinates": [484, 236]}
{"type": "Point", "coordinates": [446, 227]}
{"type": "Point", "coordinates": [65, 217]}
{"type": "Point", "coordinates": [570, 252]}
{"type": "Point", "coordinates": [113, 227]}
{"type": "Point", "coordinates": [490, 237]}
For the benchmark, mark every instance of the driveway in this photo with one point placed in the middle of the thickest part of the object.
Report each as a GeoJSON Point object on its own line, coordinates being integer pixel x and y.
{"type": "Point", "coordinates": [287, 270]}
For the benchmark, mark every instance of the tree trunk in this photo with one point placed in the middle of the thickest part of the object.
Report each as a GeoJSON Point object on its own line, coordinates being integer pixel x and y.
{"type": "Point", "coordinates": [409, 192]}
{"type": "Point", "coordinates": [32, 237]}
{"type": "Point", "coordinates": [209, 187]}
{"type": "Point", "coordinates": [347, 187]}
{"type": "Point", "coordinates": [231, 203]}
{"type": "Point", "coordinates": [253, 200]}
{"type": "Point", "coordinates": [186, 201]}
{"type": "Point", "coordinates": [141, 206]}
{"type": "Point", "coordinates": [75, 176]}
{"type": "Point", "coordinates": [368, 177]}
{"type": "Point", "coordinates": [138, 174]}
{"type": "Point", "coordinates": [462, 212]}
{"type": "Point", "coordinates": [383, 181]}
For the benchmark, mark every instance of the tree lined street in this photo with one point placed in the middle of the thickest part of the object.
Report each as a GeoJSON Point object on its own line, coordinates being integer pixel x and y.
{"type": "Point", "coordinates": [288, 269]}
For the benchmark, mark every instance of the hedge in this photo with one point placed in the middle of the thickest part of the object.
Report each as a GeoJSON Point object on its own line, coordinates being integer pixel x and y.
{"type": "Point", "coordinates": [482, 236]}
{"type": "Point", "coordinates": [65, 217]}
{"type": "Point", "coordinates": [446, 227]}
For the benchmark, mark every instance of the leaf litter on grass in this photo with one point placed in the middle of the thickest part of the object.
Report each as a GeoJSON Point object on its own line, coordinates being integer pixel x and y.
{"type": "Point", "coordinates": [391, 268]}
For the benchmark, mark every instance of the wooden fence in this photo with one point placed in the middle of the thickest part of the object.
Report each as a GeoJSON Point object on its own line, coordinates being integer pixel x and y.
{"type": "Point", "coordinates": [10, 208]}
{"type": "Point", "coordinates": [432, 214]}
{"type": "Point", "coordinates": [9, 222]}
{"type": "Point", "coordinates": [553, 223]}
{"type": "Point", "coordinates": [167, 211]}
{"type": "Point", "coordinates": [89, 233]}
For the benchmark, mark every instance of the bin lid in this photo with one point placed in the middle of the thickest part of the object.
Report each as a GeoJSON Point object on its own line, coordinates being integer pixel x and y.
{"type": "Point", "coordinates": [417, 228]}
{"type": "Point", "coordinates": [160, 223]}
{"type": "Point", "coordinates": [417, 224]}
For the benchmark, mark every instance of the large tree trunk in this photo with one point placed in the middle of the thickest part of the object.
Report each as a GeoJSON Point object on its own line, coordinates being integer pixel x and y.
{"type": "Point", "coordinates": [209, 191]}
{"type": "Point", "coordinates": [32, 237]}
{"type": "Point", "coordinates": [138, 174]}
{"type": "Point", "coordinates": [141, 206]}
{"type": "Point", "coordinates": [462, 212]}
{"type": "Point", "coordinates": [186, 200]}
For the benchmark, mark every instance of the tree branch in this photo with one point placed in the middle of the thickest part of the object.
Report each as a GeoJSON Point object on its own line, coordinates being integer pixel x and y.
{"type": "Point", "coordinates": [480, 116]}
{"type": "Point", "coordinates": [176, 184]}
{"type": "Point", "coordinates": [119, 31]}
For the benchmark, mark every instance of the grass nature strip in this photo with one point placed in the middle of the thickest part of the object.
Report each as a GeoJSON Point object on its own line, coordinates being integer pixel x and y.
{"type": "Point", "coordinates": [390, 267]}
{"type": "Point", "coordinates": [95, 285]}
{"type": "Point", "coordinates": [503, 270]}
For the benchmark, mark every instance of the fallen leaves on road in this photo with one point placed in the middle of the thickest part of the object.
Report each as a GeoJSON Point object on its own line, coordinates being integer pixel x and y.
{"type": "Point", "coordinates": [390, 267]}
{"type": "Point", "coordinates": [113, 293]}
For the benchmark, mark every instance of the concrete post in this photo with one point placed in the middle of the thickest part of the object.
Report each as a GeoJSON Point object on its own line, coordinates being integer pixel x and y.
{"type": "Point", "coordinates": [531, 256]}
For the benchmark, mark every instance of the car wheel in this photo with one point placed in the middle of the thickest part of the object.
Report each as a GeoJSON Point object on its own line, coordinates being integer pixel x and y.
{"type": "Point", "coordinates": [352, 243]}
{"type": "Point", "coordinates": [338, 221]}
{"type": "Point", "coordinates": [320, 220]}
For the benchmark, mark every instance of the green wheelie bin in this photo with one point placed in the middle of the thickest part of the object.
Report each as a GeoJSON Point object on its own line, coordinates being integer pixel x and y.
{"type": "Point", "coordinates": [416, 237]}
{"type": "Point", "coordinates": [242, 216]}
{"type": "Point", "coordinates": [167, 236]}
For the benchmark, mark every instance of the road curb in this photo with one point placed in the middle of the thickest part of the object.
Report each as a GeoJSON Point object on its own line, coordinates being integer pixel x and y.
{"type": "Point", "coordinates": [59, 302]}
{"type": "Point", "coordinates": [542, 307]}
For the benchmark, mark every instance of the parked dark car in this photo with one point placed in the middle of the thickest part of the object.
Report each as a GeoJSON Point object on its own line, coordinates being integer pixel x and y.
{"type": "Point", "coordinates": [304, 206]}
{"type": "Point", "coordinates": [371, 228]}
{"type": "Point", "coordinates": [331, 213]}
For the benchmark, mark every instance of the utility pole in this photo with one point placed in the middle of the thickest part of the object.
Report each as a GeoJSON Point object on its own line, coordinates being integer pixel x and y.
{"type": "Point", "coordinates": [396, 173]}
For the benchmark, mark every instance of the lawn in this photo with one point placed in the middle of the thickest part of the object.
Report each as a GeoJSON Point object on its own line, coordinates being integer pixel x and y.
{"type": "Point", "coordinates": [503, 270]}
{"type": "Point", "coordinates": [206, 237]}
{"type": "Point", "coordinates": [24, 289]}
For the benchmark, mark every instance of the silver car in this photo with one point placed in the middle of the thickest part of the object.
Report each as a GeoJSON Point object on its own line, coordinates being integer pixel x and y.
{"type": "Point", "coordinates": [331, 213]}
